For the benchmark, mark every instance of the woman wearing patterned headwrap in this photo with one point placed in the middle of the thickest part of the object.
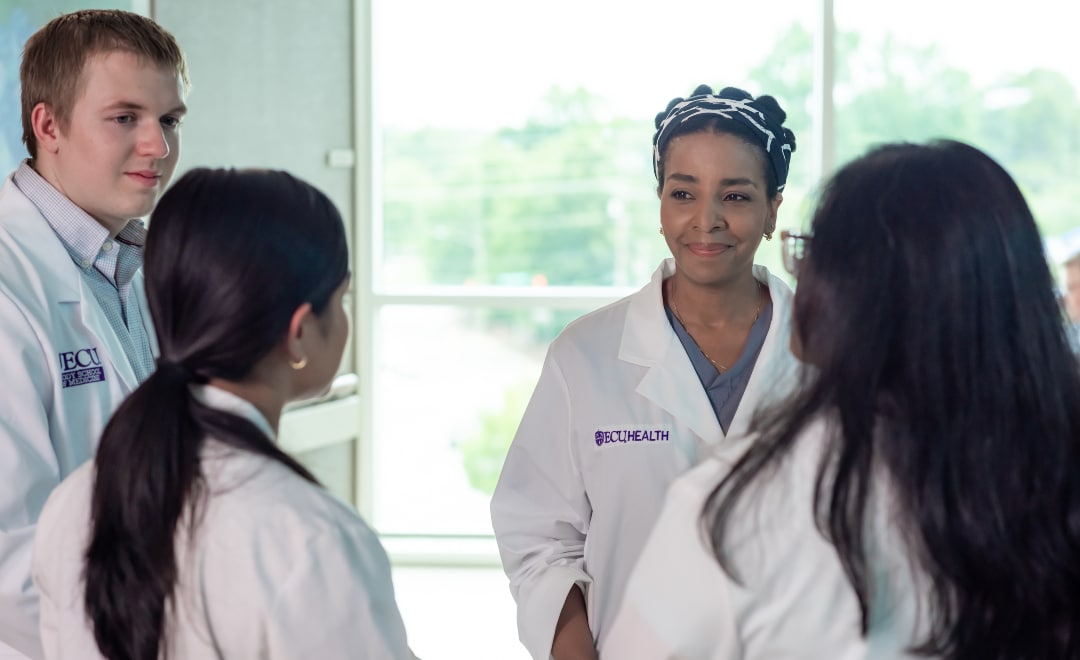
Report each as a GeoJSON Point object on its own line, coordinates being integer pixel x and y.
{"type": "Point", "coordinates": [637, 392]}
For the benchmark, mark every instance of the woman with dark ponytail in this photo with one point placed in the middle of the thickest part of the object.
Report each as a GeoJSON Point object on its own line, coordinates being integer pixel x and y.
{"type": "Point", "coordinates": [920, 497]}
{"type": "Point", "coordinates": [192, 535]}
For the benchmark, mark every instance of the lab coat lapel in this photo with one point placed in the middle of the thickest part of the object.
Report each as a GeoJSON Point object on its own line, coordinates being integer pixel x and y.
{"type": "Point", "coordinates": [775, 373]}
{"type": "Point", "coordinates": [670, 382]}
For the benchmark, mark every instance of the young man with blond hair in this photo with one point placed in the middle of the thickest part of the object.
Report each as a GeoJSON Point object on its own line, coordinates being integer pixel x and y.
{"type": "Point", "coordinates": [102, 101]}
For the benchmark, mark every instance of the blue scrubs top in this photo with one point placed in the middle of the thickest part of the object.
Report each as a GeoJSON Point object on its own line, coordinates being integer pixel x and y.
{"type": "Point", "coordinates": [725, 390]}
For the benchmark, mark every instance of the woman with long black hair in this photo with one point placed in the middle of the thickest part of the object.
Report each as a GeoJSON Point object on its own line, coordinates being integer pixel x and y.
{"type": "Point", "coordinates": [919, 498]}
{"type": "Point", "coordinates": [192, 535]}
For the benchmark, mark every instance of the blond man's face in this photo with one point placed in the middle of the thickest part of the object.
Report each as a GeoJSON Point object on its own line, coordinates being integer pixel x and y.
{"type": "Point", "coordinates": [120, 146]}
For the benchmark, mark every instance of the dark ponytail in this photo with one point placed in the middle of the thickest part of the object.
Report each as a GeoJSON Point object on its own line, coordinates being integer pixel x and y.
{"type": "Point", "coordinates": [230, 255]}
{"type": "Point", "coordinates": [130, 568]}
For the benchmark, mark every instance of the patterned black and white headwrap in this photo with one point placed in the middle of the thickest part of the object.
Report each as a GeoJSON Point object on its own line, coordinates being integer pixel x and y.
{"type": "Point", "coordinates": [763, 116]}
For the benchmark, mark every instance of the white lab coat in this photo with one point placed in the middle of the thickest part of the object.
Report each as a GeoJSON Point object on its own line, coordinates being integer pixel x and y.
{"type": "Point", "coordinates": [279, 569]}
{"type": "Point", "coordinates": [617, 414]}
{"type": "Point", "coordinates": [792, 599]}
{"type": "Point", "coordinates": [52, 332]}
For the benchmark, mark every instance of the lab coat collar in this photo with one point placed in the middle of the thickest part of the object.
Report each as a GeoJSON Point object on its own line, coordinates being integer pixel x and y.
{"type": "Point", "coordinates": [777, 370]}
{"type": "Point", "coordinates": [649, 340]}
{"type": "Point", "coordinates": [219, 399]}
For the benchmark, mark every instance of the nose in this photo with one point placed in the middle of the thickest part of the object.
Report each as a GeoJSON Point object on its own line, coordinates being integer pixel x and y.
{"type": "Point", "coordinates": [712, 216]}
{"type": "Point", "coordinates": [153, 142]}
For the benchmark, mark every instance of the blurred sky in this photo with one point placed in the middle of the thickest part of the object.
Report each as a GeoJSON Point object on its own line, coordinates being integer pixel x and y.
{"type": "Point", "coordinates": [461, 63]}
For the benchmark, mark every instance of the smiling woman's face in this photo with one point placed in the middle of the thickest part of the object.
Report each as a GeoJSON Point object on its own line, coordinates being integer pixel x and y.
{"type": "Point", "coordinates": [714, 206]}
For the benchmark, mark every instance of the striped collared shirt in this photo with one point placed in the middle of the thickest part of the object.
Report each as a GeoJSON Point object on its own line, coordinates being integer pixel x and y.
{"type": "Point", "coordinates": [107, 264]}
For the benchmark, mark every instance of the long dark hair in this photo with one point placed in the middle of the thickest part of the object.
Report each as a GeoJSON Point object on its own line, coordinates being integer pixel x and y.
{"type": "Point", "coordinates": [927, 308]}
{"type": "Point", "coordinates": [230, 255]}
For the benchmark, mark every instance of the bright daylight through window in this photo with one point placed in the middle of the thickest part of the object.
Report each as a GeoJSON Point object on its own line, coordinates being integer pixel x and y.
{"type": "Point", "coordinates": [515, 189]}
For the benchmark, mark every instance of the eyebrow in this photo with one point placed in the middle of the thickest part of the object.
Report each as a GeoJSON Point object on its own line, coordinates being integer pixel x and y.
{"type": "Point", "coordinates": [129, 105]}
{"type": "Point", "coordinates": [688, 178]}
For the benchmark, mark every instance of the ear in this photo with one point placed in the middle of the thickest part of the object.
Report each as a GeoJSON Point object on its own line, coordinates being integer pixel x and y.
{"type": "Point", "coordinates": [294, 342]}
{"type": "Point", "coordinates": [774, 206]}
{"type": "Point", "coordinates": [46, 127]}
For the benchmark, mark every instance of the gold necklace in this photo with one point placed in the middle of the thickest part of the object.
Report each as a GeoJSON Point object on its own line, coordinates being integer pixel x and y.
{"type": "Point", "coordinates": [675, 309]}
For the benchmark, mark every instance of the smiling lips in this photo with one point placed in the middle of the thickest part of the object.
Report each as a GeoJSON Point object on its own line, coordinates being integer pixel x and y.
{"type": "Point", "coordinates": [708, 249]}
{"type": "Point", "coordinates": [147, 178]}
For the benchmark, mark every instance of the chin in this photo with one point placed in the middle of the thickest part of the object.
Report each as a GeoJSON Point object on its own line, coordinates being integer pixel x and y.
{"type": "Point", "coordinates": [140, 210]}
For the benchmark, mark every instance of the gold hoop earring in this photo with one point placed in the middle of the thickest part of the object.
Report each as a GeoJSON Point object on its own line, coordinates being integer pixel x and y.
{"type": "Point", "coordinates": [661, 231]}
{"type": "Point", "coordinates": [297, 365]}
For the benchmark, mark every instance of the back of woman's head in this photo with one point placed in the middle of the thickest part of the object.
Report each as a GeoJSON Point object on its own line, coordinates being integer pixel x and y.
{"type": "Point", "coordinates": [927, 284]}
{"type": "Point", "coordinates": [927, 306]}
{"type": "Point", "coordinates": [230, 256]}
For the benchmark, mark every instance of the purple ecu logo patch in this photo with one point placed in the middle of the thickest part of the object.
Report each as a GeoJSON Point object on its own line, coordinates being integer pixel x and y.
{"type": "Point", "coordinates": [81, 367]}
{"type": "Point", "coordinates": [625, 435]}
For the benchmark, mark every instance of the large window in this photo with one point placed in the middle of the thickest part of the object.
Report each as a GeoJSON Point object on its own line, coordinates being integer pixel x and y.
{"type": "Point", "coordinates": [514, 190]}
{"type": "Point", "coordinates": [515, 193]}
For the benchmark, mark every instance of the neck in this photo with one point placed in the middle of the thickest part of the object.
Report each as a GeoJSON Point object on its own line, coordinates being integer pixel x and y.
{"type": "Point", "coordinates": [735, 303]}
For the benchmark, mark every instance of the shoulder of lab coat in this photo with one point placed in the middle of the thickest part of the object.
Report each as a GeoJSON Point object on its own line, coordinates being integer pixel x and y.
{"type": "Point", "coordinates": [607, 359]}
{"type": "Point", "coordinates": [286, 565]}
{"type": "Point", "coordinates": [46, 431]}
{"type": "Point", "coordinates": [792, 598]}
{"type": "Point", "coordinates": [277, 568]}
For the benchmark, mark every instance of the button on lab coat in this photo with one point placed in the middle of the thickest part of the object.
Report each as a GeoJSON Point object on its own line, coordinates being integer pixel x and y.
{"type": "Point", "coordinates": [64, 372]}
{"type": "Point", "coordinates": [617, 414]}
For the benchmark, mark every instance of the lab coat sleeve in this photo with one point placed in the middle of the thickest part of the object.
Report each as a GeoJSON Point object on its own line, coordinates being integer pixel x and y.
{"type": "Point", "coordinates": [338, 603]}
{"type": "Point", "coordinates": [28, 472]}
{"type": "Point", "coordinates": [540, 512]}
